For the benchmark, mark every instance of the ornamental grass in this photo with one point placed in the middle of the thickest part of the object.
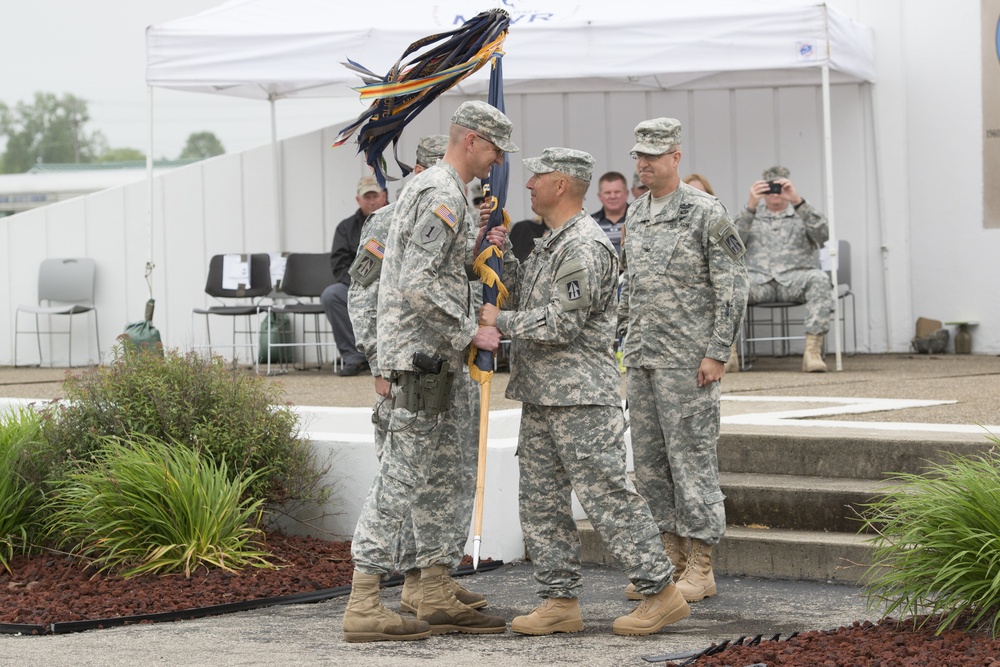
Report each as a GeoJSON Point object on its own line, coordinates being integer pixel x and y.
{"type": "Point", "coordinates": [141, 505]}
{"type": "Point", "coordinates": [937, 544]}
{"type": "Point", "coordinates": [20, 437]}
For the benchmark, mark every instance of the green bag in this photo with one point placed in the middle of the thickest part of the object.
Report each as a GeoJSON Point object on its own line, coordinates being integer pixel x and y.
{"type": "Point", "coordinates": [143, 335]}
{"type": "Point", "coordinates": [280, 326]}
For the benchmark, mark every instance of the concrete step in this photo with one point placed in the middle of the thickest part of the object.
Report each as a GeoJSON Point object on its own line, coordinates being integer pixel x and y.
{"type": "Point", "coordinates": [798, 503]}
{"type": "Point", "coordinates": [769, 553]}
{"type": "Point", "coordinates": [865, 454]}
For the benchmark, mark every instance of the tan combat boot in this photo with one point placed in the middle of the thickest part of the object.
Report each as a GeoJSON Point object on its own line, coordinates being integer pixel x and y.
{"type": "Point", "coordinates": [553, 615]}
{"type": "Point", "coordinates": [444, 613]}
{"type": "Point", "coordinates": [677, 548]}
{"type": "Point", "coordinates": [654, 612]}
{"type": "Point", "coordinates": [698, 581]}
{"type": "Point", "coordinates": [733, 365]}
{"type": "Point", "coordinates": [410, 599]}
{"type": "Point", "coordinates": [812, 360]}
{"type": "Point", "coordinates": [366, 620]}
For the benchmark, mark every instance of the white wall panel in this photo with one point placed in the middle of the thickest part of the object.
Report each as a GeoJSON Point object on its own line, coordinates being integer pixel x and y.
{"type": "Point", "coordinates": [303, 193]}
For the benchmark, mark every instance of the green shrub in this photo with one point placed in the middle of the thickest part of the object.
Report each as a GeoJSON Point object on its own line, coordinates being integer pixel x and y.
{"type": "Point", "coordinates": [20, 438]}
{"type": "Point", "coordinates": [205, 404]}
{"type": "Point", "coordinates": [142, 505]}
{"type": "Point", "coordinates": [937, 544]}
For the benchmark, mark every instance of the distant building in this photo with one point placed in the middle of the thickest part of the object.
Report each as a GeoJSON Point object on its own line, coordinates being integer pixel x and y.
{"type": "Point", "coordinates": [50, 183]}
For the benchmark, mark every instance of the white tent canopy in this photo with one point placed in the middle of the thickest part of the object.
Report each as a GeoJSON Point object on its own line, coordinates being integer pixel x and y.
{"type": "Point", "coordinates": [274, 49]}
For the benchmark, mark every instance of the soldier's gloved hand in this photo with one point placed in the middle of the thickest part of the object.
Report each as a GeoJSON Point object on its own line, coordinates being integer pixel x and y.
{"type": "Point", "coordinates": [488, 315]}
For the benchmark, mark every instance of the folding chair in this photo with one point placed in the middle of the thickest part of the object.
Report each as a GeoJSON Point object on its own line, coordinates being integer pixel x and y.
{"type": "Point", "coordinates": [238, 283]}
{"type": "Point", "coordinates": [65, 287]}
{"type": "Point", "coordinates": [306, 276]}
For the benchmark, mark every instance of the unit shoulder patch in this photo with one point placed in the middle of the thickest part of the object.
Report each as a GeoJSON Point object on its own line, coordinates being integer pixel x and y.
{"type": "Point", "coordinates": [367, 266]}
{"type": "Point", "coordinates": [571, 281]}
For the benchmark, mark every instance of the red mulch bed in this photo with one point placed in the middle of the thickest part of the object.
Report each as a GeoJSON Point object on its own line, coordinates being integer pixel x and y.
{"type": "Point", "coordinates": [49, 588]}
{"type": "Point", "coordinates": [886, 644]}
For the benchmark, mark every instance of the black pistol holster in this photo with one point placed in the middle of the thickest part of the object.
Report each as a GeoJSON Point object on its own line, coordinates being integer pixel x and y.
{"type": "Point", "coordinates": [427, 389]}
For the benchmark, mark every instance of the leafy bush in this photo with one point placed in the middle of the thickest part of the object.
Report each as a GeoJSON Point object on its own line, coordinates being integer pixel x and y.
{"type": "Point", "coordinates": [20, 438]}
{"type": "Point", "coordinates": [142, 505]}
{"type": "Point", "coordinates": [203, 403]}
{"type": "Point", "coordinates": [937, 544]}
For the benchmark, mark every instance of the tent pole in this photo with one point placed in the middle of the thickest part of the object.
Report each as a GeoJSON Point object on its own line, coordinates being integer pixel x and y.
{"type": "Point", "coordinates": [149, 183]}
{"type": "Point", "coordinates": [276, 168]}
{"type": "Point", "coordinates": [834, 259]}
{"type": "Point", "coordinates": [883, 226]}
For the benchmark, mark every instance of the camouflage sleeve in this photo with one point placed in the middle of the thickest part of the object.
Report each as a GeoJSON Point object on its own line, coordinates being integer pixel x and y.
{"type": "Point", "coordinates": [728, 276]}
{"type": "Point", "coordinates": [576, 288]}
{"type": "Point", "coordinates": [623, 303]}
{"type": "Point", "coordinates": [362, 295]}
{"type": "Point", "coordinates": [362, 306]}
{"type": "Point", "coordinates": [743, 222]}
{"type": "Point", "coordinates": [817, 228]}
{"type": "Point", "coordinates": [435, 243]}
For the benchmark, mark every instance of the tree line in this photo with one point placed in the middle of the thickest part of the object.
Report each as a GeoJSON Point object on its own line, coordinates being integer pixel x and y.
{"type": "Point", "coordinates": [52, 129]}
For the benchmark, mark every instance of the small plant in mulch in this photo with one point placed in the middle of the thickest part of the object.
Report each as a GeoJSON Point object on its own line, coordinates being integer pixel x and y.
{"type": "Point", "coordinates": [203, 404]}
{"type": "Point", "coordinates": [937, 545]}
{"type": "Point", "coordinates": [20, 441]}
{"type": "Point", "coordinates": [145, 506]}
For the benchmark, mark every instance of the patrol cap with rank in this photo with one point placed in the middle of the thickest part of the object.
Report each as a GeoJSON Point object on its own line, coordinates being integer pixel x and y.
{"type": "Point", "coordinates": [565, 160]}
{"type": "Point", "coordinates": [774, 172]}
{"type": "Point", "coordinates": [657, 136]}
{"type": "Point", "coordinates": [431, 149]}
{"type": "Point", "coordinates": [487, 121]}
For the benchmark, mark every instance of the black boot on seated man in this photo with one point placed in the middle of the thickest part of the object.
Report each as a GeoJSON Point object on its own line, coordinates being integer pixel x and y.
{"type": "Point", "coordinates": [354, 368]}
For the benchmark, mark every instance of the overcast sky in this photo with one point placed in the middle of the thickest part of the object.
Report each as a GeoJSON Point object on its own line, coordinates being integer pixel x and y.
{"type": "Point", "coordinates": [96, 50]}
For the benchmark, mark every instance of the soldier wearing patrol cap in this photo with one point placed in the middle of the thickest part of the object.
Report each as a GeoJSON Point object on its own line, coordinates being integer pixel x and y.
{"type": "Point", "coordinates": [682, 304]}
{"type": "Point", "coordinates": [782, 232]}
{"type": "Point", "coordinates": [561, 318]}
{"type": "Point", "coordinates": [363, 304]}
{"type": "Point", "coordinates": [424, 328]}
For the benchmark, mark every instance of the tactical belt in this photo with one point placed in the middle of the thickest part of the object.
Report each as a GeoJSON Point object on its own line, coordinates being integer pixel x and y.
{"type": "Point", "coordinates": [423, 392]}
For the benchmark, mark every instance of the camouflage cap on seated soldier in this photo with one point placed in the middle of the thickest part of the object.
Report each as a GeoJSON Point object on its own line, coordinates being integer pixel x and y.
{"type": "Point", "coordinates": [488, 122]}
{"type": "Point", "coordinates": [656, 136]}
{"type": "Point", "coordinates": [564, 160]}
{"type": "Point", "coordinates": [777, 171]}
{"type": "Point", "coordinates": [431, 149]}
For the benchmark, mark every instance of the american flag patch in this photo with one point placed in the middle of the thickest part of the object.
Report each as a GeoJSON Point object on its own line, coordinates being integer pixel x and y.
{"type": "Point", "coordinates": [375, 248]}
{"type": "Point", "coordinates": [445, 214]}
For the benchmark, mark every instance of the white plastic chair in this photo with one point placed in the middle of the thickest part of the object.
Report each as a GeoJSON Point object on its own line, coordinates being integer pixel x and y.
{"type": "Point", "coordinates": [65, 288]}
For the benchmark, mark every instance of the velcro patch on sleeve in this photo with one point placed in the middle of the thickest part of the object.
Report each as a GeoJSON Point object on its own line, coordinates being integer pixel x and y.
{"type": "Point", "coordinates": [724, 233]}
{"type": "Point", "coordinates": [446, 214]}
{"type": "Point", "coordinates": [571, 281]}
{"type": "Point", "coordinates": [367, 266]}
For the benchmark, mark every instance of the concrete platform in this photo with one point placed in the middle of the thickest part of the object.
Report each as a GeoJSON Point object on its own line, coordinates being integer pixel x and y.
{"type": "Point", "coordinates": [935, 401]}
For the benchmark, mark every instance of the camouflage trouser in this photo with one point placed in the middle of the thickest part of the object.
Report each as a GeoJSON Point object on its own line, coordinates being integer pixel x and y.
{"type": "Point", "coordinates": [675, 429]}
{"type": "Point", "coordinates": [582, 448]}
{"type": "Point", "coordinates": [418, 509]}
{"type": "Point", "coordinates": [813, 288]}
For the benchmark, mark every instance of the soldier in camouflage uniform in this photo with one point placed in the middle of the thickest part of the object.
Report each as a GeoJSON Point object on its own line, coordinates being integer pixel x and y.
{"type": "Point", "coordinates": [782, 232]}
{"type": "Point", "coordinates": [424, 309]}
{"type": "Point", "coordinates": [461, 421]}
{"type": "Point", "coordinates": [682, 304]}
{"type": "Point", "coordinates": [572, 435]}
